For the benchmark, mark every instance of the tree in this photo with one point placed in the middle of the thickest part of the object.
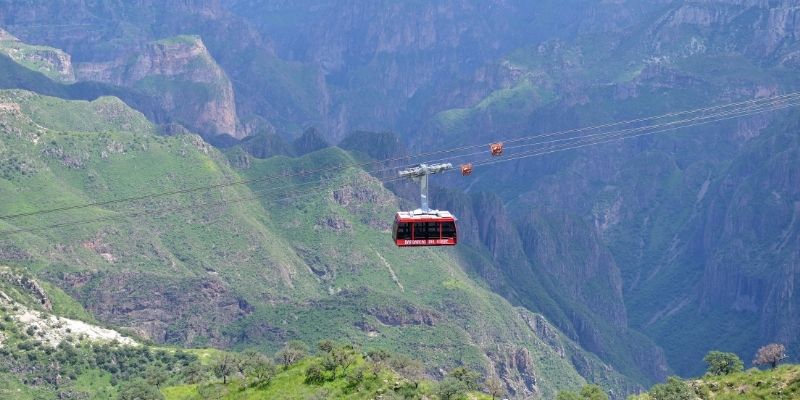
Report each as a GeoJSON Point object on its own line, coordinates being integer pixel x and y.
{"type": "Point", "coordinates": [155, 376]}
{"type": "Point", "coordinates": [568, 395]}
{"type": "Point", "coordinates": [378, 356]}
{"type": "Point", "coordinates": [356, 376]}
{"type": "Point", "coordinates": [344, 356]}
{"type": "Point", "coordinates": [588, 392]}
{"type": "Point", "coordinates": [407, 368]}
{"type": "Point", "coordinates": [329, 364]}
{"type": "Point", "coordinates": [495, 387]}
{"type": "Point", "coordinates": [720, 363]}
{"type": "Point", "coordinates": [469, 378]}
{"type": "Point", "coordinates": [593, 392]}
{"type": "Point", "coordinates": [139, 390]}
{"type": "Point", "coordinates": [771, 354]}
{"type": "Point", "coordinates": [244, 361]}
{"type": "Point", "coordinates": [252, 364]}
{"type": "Point", "coordinates": [314, 374]}
{"type": "Point", "coordinates": [224, 367]}
{"type": "Point", "coordinates": [377, 359]}
{"type": "Point", "coordinates": [326, 346]}
{"type": "Point", "coordinates": [291, 353]}
{"type": "Point", "coordinates": [195, 373]}
{"type": "Point", "coordinates": [674, 389]}
{"type": "Point", "coordinates": [263, 370]}
{"type": "Point", "coordinates": [451, 388]}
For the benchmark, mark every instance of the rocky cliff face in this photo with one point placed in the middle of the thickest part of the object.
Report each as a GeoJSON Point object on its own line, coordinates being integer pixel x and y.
{"type": "Point", "coordinates": [144, 45]}
{"type": "Point", "coordinates": [181, 75]}
{"type": "Point", "coordinates": [51, 62]}
{"type": "Point", "coordinates": [640, 216]}
{"type": "Point", "coordinates": [545, 262]}
{"type": "Point", "coordinates": [773, 28]}
{"type": "Point", "coordinates": [173, 311]}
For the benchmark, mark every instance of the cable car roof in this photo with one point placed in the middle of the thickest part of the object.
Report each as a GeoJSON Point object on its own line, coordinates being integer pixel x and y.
{"type": "Point", "coordinates": [418, 214]}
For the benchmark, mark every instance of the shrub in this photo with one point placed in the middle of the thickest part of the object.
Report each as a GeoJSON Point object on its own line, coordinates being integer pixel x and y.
{"type": "Point", "coordinates": [673, 389]}
{"type": "Point", "coordinates": [262, 372]}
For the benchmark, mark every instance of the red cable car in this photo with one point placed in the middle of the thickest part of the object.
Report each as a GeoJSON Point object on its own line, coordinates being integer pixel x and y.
{"type": "Point", "coordinates": [424, 226]}
{"type": "Point", "coordinates": [420, 229]}
{"type": "Point", "coordinates": [496, 149]}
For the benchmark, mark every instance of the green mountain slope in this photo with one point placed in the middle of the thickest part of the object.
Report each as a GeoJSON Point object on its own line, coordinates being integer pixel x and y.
{"type": "Point", "coordinates": [220, 271]}
{"type": "Point", "coordinates": [46, 353]}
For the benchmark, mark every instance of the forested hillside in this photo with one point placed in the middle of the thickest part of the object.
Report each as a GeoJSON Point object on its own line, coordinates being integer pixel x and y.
{"type": "Point", "coordinates": [248, 264]}
{"type": "Point", "coordinates": [618, 264]}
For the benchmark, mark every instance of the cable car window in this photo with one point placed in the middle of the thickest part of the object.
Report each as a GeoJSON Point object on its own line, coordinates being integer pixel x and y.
{"type": "Point", "coordinates": [432, 230]}
{"type": "Point", "coordinates": [402, 231]}
{"type": "Point", "coordinates": [448, 229]}
{"type": "Point", "coordinates": [419, 231]}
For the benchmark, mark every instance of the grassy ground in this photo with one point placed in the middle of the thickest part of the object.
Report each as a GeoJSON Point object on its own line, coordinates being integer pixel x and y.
{"type": "Point", "coordinates": [780, 383]}
{"type": "Point", "coordinates": [753, 384]}
{"type": "Point", "coordinates": [290, 384]}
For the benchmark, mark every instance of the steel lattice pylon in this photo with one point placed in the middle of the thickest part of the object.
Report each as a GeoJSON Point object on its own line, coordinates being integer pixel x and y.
{"type": "Point", "coordinates": [420, 173]}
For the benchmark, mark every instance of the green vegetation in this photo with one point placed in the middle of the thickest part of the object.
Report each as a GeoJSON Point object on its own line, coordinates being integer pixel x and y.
{"type": "Point", "coordinates": [780, 383]}
{"type": "Point", "coordinates": [32, 366]}
{"type": "Point", "coordinates": [82, 366]}
{"type": "Point", "coordinates": [588, 392]}
{"type": "Point", "coordinates": [726, 380]}
{"type": "Point", "coordinates": [246, 274]}
{"type": "Point", "coordinates": [359, 377]}
{"type": "Point", "coordinates": [51, 62]}
{"type": "Point", "coordinates": [143, 372]}
{"type": "Point", "coordinates": [720, 363]}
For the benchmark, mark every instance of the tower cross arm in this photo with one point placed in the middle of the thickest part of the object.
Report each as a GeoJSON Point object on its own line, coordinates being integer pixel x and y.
{"type": "Point", "coordinates": [425, 169]}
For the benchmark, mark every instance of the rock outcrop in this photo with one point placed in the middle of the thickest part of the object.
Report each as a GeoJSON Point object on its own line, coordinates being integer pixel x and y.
{"type": "Point", "coordinates": [162, 310]}
{"type": "Point", "coordinates": [50, 61]}
{"type": "Point", "coordinates": [182, 75]}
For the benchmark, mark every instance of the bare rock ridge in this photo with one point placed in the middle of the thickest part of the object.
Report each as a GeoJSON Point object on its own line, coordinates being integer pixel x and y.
{"type": "Point", "coordinates": [52, 62]}
{"type": "Point", "coordinates": [182, 75]}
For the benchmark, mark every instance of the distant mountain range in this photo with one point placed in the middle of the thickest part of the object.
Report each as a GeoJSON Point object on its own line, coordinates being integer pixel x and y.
{"type": "Point", "coordinates": [645, 253]}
